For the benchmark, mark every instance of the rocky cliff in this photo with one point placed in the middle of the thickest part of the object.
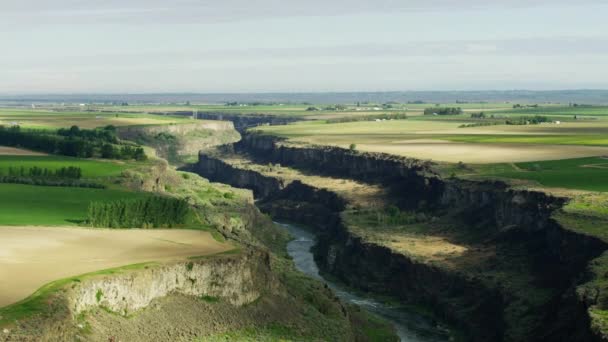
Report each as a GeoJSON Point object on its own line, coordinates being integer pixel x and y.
{"type": "Point", "coordinates": [243, 122]}
{"type": "Point", "coordinates": [238, 279]}
{"type": "Point", "coordinates": [174, 140]}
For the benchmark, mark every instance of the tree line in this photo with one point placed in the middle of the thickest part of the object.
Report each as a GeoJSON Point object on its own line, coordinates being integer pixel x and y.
{"type": "Point", "coordinates": [151, 212]}
{"type": "Point", "coordinates": [443, 111]}
{"type": "Point", "coordinates": [65, 176]}
{"type": "Point", "coordinates": [73, 142]}
{"type": "Point", "coordinates": [71, 172]}
{"type": "Point", "coordinates": [400, 116]}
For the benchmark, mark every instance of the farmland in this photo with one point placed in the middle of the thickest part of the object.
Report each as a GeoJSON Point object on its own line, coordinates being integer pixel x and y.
{"type": "Point", "coordinates": [590, 174]}
{"type": "Point", "coordinates": [90, 168]}
{"type": "Point", "coordinates": [446, 141]}
{"type": "Point", "coordinates": [53, 223]}
{"type": "Point", "coordinates": [56, 206]}
{"type": "Point", "coordinates": [51, 119]}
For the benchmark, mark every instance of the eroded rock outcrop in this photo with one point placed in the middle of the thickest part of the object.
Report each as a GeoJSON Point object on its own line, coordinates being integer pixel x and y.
{"type": "Point", "coordinates": [238, 279]}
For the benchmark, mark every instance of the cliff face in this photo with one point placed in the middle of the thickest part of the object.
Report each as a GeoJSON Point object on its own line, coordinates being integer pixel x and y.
{"type": "Point", "coordinates": [517, 223]}
{"type": "Point", "coordinates": [181, 139]}
{"type": "Point", "coordinates": [412, 181]}
{"type": "Point", "coordinates": [218, 171]}
{"type": "Point", "coordinates": [243, 122]}
{"type": "Point", "coordinates": [132, 132]}
{"type": "Point", "coordinates": [238, 279]}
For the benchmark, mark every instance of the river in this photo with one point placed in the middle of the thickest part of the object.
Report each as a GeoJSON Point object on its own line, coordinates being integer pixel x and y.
{"type": "Point", "coordinates": [410, 326]}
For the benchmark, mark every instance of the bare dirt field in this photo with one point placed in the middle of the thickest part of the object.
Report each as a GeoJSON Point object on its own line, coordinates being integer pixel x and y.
{"type": "Point", "coordinates": [33, 256]}
{"type": "Point", "coordinates": [11, 151]}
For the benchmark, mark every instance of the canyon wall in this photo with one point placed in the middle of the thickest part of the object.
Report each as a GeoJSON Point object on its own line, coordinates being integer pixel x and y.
{"type": "Point", "coordinates": [243, 122]}
{"type": "Point", "coordinates": [516, 220]}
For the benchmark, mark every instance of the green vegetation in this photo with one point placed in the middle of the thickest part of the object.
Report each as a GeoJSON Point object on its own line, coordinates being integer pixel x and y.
{"type": "Point", "coordinates": [271, 333]}
{"type": "Point", "coordinates": [72, 172]}
{"type": "Point", "coordinates": [151, 212]}
{"type": "Point", "coordinates": [370, 327]}
{"type": "Point", "coordinates": [559, 110]}
{"type": "Point", "coordinates": [52, 206]}
{"type": "Point", "coordinates": [89, 168]}
{"type": "Point", "coordinates": [586, 140]}
{"type": "Point", "coordinates": [65, 176]}
{"type": "Point", "coordinates": [73, 142]}
{"type": "Point", "coordinates": [443, 111]}
{"type": "Point", "coordinates": [210, 299]}
{"type": "Point", "coordinates": [98, 295]}
{"type": "Point", "coordinates": [401, 116]}
{"type": "Point", "coordinates": [55, 117]}
{"type": "Point", "coordinates": [581, 173]}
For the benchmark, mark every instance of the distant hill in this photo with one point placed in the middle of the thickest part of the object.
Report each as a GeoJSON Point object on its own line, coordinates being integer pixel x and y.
{"type": "Point", "coordinates": [520, 96]}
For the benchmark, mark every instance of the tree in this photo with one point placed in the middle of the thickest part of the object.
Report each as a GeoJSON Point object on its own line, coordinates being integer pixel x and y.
{"type": "Point", "coordinates": [107, 151]}
{"type": "Point", "coordinates": [352, 147]}
{"type": "Point", "coordinates": [139, 154]}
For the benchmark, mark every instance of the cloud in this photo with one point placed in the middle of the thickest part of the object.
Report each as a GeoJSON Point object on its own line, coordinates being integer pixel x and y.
{"type": "Point", "coordinates": [185, 11]}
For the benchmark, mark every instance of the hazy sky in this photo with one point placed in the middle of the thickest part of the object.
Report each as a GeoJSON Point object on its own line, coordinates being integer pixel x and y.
{"type": "Point", "coordinates": [141, 46]}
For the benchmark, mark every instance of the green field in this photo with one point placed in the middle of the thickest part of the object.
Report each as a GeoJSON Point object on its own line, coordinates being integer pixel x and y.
{"type": "Point", "coordinates": [559, 111]}
{"type": "Point", "coordinates": [90, 168]}
{"type": "Point", "coordinates": [52, 206]}
{"type": "Point", "coordinates": [581, 173]}
{"type": "Point", "coordinates": [585, 140]}
{"type": "Point", "coordinates": [52, 119]}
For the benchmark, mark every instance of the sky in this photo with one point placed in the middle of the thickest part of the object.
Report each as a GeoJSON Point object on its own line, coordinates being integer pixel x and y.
{"type": "Point", "coordinates": [235, 46]}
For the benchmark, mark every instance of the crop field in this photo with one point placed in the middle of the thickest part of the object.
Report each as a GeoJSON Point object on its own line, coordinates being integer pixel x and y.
{"type": "Point", "coordinates": [46, 119]}
{"type": "Point", "coordinates": [52, 206]}
{"type": "Point", "coordinates": [589, 174]}
{"type": "Point", "coordinates": [446, 141]}
{"type": "Point", "coordinates": [33, 256]}
{"type": "Point", "coordinates": [559, 111]}
{"type": "Point", "coordinates": [90, 168]}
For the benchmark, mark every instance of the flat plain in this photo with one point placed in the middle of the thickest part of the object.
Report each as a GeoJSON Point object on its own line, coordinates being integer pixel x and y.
{"type": "Point", "coordinates": [448, 141]}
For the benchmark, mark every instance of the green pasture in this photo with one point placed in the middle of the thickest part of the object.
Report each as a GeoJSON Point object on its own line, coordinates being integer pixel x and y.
{"type": "Point", "coordinates": [52, 206]}
{"type": "Point", "coordinates": [90, 168]}
{"type": "Point", "coordinates": [581, 173]}
{"type": "Point", "coordinates": [587, 140]}
{"type": "Point", "coordinates": [558, 111]}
